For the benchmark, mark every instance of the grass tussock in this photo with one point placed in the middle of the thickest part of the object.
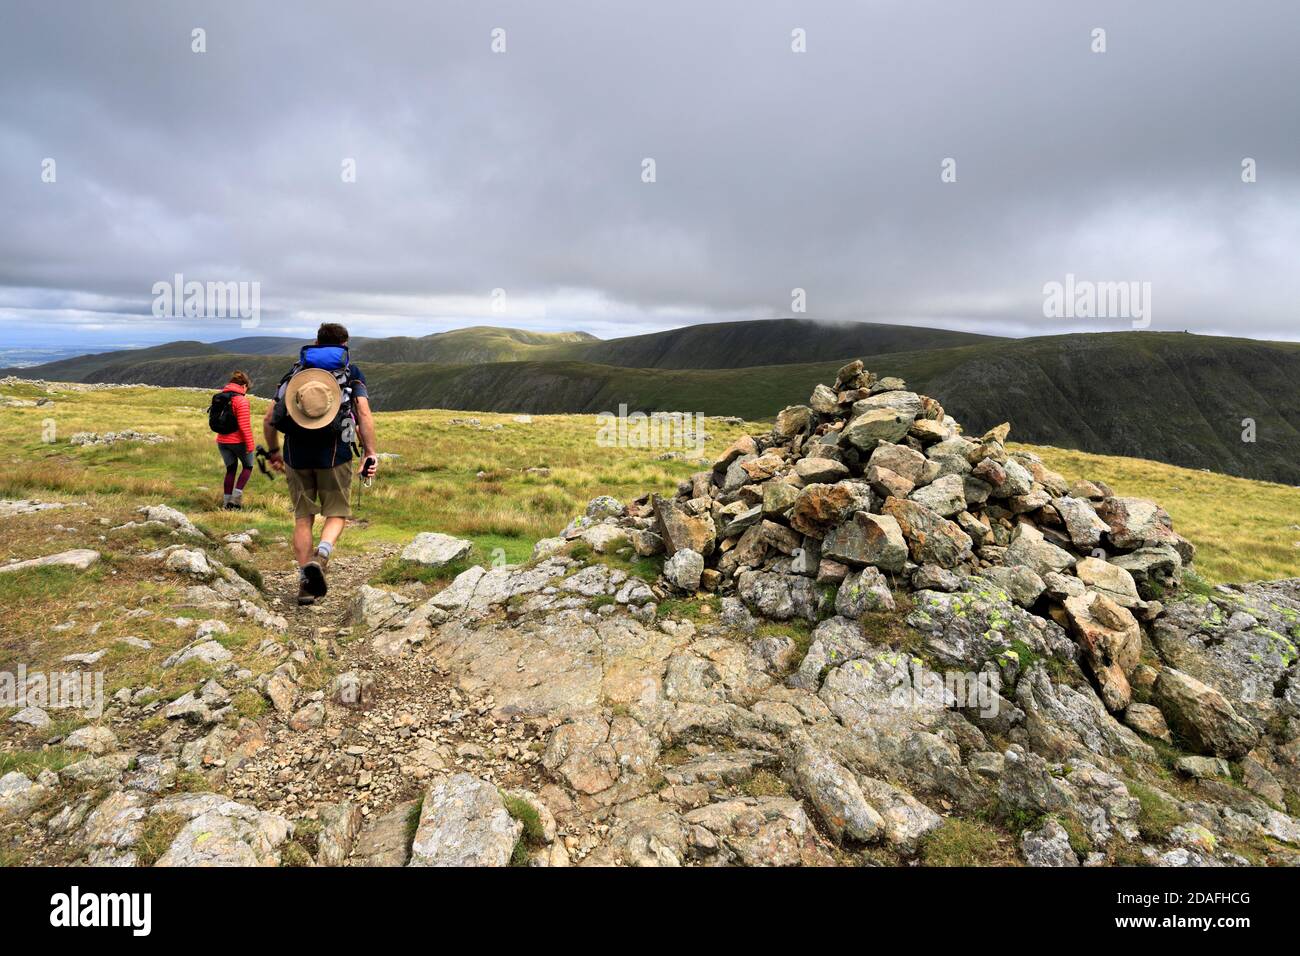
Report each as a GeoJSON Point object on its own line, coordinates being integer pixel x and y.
{"type": "Point", "coordinates": [156, 835]}
{"type": "Point", "coordinates": [958, 842]}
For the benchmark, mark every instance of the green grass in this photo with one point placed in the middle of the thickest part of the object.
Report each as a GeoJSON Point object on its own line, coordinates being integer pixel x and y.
{"type": "Point", "coordinates": [156, 835]}
{"type": "Point", "coordinates": [18, 588]}
{"type": "Point", "coordinates": [958, 842]}
{"type": "Point", "coordinates": [250, 704]}
{"type": "Point", "coordinates": [32, 762]}
{"type": "Point", "coordinates": [413, 821]}
{"type": "Point", "coordinates": [395, 571]}
{"type": "Point", "coordinates": [1157, 815]}
{"type": "Point", "coordinates": [532, 836]}
{"type": "Point", "coordinates": [764, 783]}
{"type": "Point", "coordinates": [693, 609]}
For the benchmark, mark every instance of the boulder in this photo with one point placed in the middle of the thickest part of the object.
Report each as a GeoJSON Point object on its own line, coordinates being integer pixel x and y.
{"type": "Point", "coordinates": [901, 460]}
{"type": "Point", "coordinates": [1048, 845]}
{"type": "Point", "coordinates": [824, 401]}
{"type": "Point", "coordinates": [434, 550]}
{"type": "Point", "coordinates": [779, 597]}
{"type": "Point", "coordinates": [820, 470]}
{"type": "Point", "coordinates": [931, 538]}
{"type": "Point", "coordinates": [836, 795]}
{"type": "Point", "coordinates": [877, 425]}
{"type": "Point", "coordinates": [1156, 570]}
{"type": "Point", "coordinates": [1031, 550]}
{"type": "Point", "coordinates": [907, 820]}
{"type": "Point", "coordinates": [1108, 579]}
{"type": "Point", "coordinates": [227, 834]}
{"type": "Point", "coordinates": [683, 570]}
{"type": "Point", "coordinates": [32, 717]}
{"type": "Point", "coordinates": [945, 496]}
{"type": "Point", "coordinates": [1081, 521]}
{"type": "Point", "coordinates": [1147, 719]}
{"type": "Point", "coordinates": [464, 822]}
{"type": "Point", "coordinates": [819, 508]}
{"type": "Point", "coordinates": [78, 558]}
{"type": "Point", "coordinates": [755, 831]}
{"type": "Point", "coordinates": [1202, 716]}
{"type": "Point", "coordinates": [19, 795]}
{"type": "Point", "coordinates": [340, 825]}
{"type": "Point", "coordinates": [93, 738]}
{"type": "Point", "coordinates": [862, 591]}
{"type": "Point", "coordinates": [1021, 583]}
{"type": "Point", "coordinates": [1112, 643]}
{"type": "Point", "coordinates": [1135, 523]}
{"type": "Point", "coordinates": [681, 529]}
{"type": "Point", "coordinates": [792, 420]}
{"type": "Point", "coordinates": [869, 539]}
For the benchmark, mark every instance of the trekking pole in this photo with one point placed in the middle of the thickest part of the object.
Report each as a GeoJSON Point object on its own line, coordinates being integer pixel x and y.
{"type": "Point", "coordinates": [367, 478]}
{"type": "Point", "coordinates": [262, 455]}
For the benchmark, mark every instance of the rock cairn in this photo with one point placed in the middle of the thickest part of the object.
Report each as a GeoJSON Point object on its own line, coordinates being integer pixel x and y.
{"type": "Point", "coordinates": [871, 489]}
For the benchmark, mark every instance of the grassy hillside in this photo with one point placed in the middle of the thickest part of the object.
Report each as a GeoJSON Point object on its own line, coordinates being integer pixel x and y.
{"type": "Point", "coordinates": [469, 346]}
{"type": "Point", "coordinates": [474, 481]}
{"type": "Point", "coordinates": [1165, 396]}
{"type": "Point", "coordinates": [721, 345]}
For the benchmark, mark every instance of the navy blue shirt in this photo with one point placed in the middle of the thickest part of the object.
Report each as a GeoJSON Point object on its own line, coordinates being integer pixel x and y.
{"type": "Point", "coordinates": [320, 449]}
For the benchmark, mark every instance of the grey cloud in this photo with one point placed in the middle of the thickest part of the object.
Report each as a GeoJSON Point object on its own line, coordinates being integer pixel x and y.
{"type": "Point", "coordinates": [522, 171]}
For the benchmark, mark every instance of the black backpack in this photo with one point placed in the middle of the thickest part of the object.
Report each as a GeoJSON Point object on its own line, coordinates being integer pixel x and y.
{"type": "Point", "coordinates": [221, 414]}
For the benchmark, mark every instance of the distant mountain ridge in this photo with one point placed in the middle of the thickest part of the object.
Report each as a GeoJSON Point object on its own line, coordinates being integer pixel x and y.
{"type": "Point", "coordinates": [712, 345]}
{"type": "Point", "coordinates": [1167, 396]}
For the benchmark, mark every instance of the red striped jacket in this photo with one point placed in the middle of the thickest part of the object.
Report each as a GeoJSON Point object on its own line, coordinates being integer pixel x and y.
{"type": "Point", "coordinates": [239, 402]}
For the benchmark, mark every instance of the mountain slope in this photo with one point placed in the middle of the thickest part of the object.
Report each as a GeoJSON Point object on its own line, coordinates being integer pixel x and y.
{"type": "Point", "coordinates": [1167, 396]}
{"type": "Point", "coordinates": [765, 342]}
{"type": "Point", "coordinates": [469, 346]}
{"type": "Point", "coordinates": [713, 345]}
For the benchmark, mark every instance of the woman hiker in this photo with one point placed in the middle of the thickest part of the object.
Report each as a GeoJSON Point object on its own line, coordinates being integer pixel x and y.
{"type": "Point", "coordinates": [236, 447]}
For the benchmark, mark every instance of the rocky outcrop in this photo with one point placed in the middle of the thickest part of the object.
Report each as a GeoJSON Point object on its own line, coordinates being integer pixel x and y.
{"type": "Point", "coordinates": [464, 822]}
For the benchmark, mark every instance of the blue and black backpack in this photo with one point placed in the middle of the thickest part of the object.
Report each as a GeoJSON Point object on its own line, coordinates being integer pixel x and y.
{"type": "Point", "coordinates": [335, 360]}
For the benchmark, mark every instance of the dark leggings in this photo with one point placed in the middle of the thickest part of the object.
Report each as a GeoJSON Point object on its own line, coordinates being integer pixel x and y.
{"type": "Point", "coordinates": [233, 456]}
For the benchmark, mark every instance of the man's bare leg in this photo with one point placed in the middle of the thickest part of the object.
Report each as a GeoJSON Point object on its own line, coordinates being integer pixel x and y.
{"type": "Point", "coordinates": [331, 530]}
{"type": "Point", "coordinates": [302, 549]}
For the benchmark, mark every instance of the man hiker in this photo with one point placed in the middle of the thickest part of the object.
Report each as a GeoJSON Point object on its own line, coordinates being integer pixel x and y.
{"type": "Point", "coordinates": [322, 408]}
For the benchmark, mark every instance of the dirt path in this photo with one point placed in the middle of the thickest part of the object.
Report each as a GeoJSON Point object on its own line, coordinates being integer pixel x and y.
{"type": "Point", "coordinates": [410, 722]}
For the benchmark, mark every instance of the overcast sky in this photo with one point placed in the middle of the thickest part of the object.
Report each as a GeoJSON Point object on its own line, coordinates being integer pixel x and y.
{"type": "Point", "coordinates": [523, 170]}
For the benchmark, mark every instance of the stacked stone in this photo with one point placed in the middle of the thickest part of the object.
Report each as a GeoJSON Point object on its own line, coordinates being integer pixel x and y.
{"type": "Point", "coordinates": [872, 488]}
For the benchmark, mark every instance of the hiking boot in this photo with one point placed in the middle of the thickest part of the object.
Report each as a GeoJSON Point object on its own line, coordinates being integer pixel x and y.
{"type": "Point", "coordinates": [313, 573]}
{"type": "Point", "coordinates": [305, 597]}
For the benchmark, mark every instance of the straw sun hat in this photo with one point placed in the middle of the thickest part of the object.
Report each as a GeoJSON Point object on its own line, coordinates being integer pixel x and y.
{"type": "Point", "coordinates": [313, 398]}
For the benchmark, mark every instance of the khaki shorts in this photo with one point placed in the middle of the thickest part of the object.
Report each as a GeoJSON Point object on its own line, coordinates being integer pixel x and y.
{"type": "Point", "coordinates": [322, 491]}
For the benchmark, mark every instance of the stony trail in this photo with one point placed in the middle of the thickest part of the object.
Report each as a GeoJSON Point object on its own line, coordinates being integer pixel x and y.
{"type": "Point", "coordinates": [400, 720]}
